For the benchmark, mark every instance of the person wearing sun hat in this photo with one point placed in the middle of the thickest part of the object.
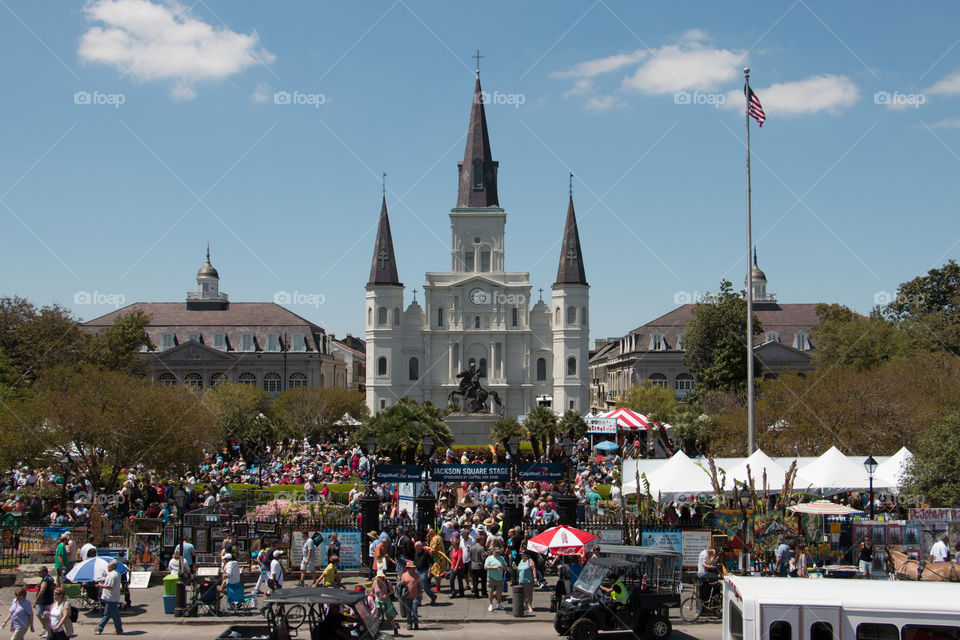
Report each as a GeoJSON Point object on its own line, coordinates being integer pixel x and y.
{"type": "Point", "coordinates": [381, 593]}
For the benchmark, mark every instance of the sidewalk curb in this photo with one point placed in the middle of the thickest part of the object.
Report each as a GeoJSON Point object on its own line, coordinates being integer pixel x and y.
{"type": "Point", "coordinates": [202, 622]}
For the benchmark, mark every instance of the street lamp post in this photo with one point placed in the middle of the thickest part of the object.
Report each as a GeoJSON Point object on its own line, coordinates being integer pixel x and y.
{"type": "Point", "coordinates": [426, 502]}
{"type": "Point", "coordinates": [511, 512]}
{"type": "Point", "coordinates": [369, 501]}
{"type": "Point", "coordinates": [567, 501]}
{"type": "Point", "coordinates": [871, 466]}
{"type": "Point", "coordinates": [180, 499]}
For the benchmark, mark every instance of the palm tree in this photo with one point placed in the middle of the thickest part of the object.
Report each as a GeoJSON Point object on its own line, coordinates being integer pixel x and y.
{"type": "Point", "coordinates": [505, 428]}
{"type": "Point", "coordinates": [573, 424]}
{"type": "Point", "coordinates": [541, 427]}
{"type": "Point", "coordinates": [400, 429]}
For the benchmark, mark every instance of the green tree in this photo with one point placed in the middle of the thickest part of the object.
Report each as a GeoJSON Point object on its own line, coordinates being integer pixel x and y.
{"type": "Point", "coordinates": [541, 428]}
{"type": "Point", "coordinates": [691, 427]}
{"type": "Point", "coordinates": [107, 421]}
{"type": "Point", "coordinates": [117, 347]}
{"type": "Point", "coordinates": [715, 343]}
{"type": "Point", "coordinates": [934, 473]}
{"type": "Point", "coordinates": [313, 412]}
{"type": "Point", "coordinates": [400, 429]}
{"type": "Point", "coordinates": [928, 307]}
{"type": "Point", "coordinates": [505, 428]}
{"type": "Point", "coordinates": [237, 408]}
{"type": "Point", "coordinates": [846, 338]}
{"type": "Point", "coordinates": [649, 398]}
{"type": "Point", "coordinates": [37, 340]}
{"type": "Point", "coordinates": [573, 424]}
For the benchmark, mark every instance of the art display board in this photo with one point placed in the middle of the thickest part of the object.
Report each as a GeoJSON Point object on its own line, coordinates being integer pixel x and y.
{"type": "Point", "coordinates": [693, 542]}
{"type": "Point", "coordinates": [669, 540]}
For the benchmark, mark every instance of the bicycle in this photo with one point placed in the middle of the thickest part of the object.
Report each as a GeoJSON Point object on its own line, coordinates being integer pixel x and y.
{"type": "Point", "coordinates": [692, 607]}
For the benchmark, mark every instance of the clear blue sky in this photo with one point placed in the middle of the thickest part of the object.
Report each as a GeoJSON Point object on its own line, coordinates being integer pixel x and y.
{"type": "Point", "coordinates": [852, 194]}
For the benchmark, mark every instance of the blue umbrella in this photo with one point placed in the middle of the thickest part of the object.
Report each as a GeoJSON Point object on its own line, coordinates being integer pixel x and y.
{"type": "Point", "coordinates": [607, 445]}
{"type": "Point", "coordinates": [93, 570]}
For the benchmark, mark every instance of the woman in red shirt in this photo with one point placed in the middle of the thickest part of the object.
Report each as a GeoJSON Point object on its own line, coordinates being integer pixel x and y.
{"type": "Point", "coordinates": [457, 568]}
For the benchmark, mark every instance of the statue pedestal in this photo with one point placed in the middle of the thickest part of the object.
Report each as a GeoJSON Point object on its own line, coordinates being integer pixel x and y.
{"type": "Point", "coordinates": [472, 429]}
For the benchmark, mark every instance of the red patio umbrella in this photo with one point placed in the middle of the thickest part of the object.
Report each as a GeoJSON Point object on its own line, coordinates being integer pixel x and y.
{"type": "Point", "coordinates": [562, 541]}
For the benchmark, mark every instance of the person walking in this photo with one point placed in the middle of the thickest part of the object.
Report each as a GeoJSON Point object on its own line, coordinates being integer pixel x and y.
{"type": "Point", "coordinates": [275, 579]}
{"type": "Point", "coordinates": [422, 561]}
{"type": "Point", "coordinates": [110, 596]}
{"type": "Point", "coordinates": [44, 599]}
{"type": "Point", "coordinates": [381, 593]}
{"type": "Point", "coordinates": [61, 559]}
{"type": "Point", "coordinates": [527, 578]}
{"type": "Point", "coordinates": [865, 559]}
{"type": "Point", "coordinates": [410, 592]}
{"type": "Point", "coordinates": [61, 626]}
{"type": "Point", "coordinates": [330, 577]}
{"type": "Point", "coordinates": [309, 562]}
{"type": "Point", "coordinates": [20, 616]}
{"type": "Point", "coordinates": [441, 563]}
{"type": "Point", "coordinates": [494, 565]}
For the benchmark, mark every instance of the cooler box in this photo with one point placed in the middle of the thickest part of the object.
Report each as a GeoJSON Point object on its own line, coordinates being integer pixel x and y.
{"type": "Point", "coordinates": [169, 603]}
{"type": "Point", "coordinates": [170, 585]}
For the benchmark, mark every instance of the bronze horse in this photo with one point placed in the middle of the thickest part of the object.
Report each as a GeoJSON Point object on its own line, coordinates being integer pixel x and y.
{"type": "Point", "coordinates": [906, 568]}
{"type": "Point", "coordinates": [477, 397]}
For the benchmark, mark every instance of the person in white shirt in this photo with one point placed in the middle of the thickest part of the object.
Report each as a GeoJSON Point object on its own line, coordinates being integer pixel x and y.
{"type": "Point", "coordinates": [276, 571]}
{"type": "Point", "coordinates": [940, 552]}
{"type": "Point", "coordinates": [231, 572]}
{"type": "Point", "coordinates": [110, 595]}
{"type": "Point", "coordinates": [88, 550]}
{"type": "Point", "coordinates": [309, 562]}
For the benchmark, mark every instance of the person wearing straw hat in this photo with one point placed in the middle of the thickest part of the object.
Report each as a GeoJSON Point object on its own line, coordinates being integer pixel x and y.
{"type": "Point", "coordinates": [381, 593]}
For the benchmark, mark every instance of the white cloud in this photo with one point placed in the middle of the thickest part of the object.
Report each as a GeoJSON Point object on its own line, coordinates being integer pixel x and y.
{"type": "Point", "coordinates": [685, 66]}
{"type": "Point", "coordinates": [826, 92]}
{"type": "Point", "coordinates": [948, 86]}
{"type": "Point", "coordinates": [162, 42]}
{"type": "Point", "coordinates": [602, 103]}
{"type": "Point", "coordinates": [591, 68]}
{"type": "Point", "coordinates": [261, 93]}
{"type": "Point", "coordinates": [949, 123]}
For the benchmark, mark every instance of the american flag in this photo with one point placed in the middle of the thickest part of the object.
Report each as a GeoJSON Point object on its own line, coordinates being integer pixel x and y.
{"type": "Point", "coordinates": [754, 109]}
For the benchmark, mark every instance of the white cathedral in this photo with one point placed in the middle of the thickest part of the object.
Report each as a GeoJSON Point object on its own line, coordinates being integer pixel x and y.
{"type": "Point", "coordinates": [478, 315]}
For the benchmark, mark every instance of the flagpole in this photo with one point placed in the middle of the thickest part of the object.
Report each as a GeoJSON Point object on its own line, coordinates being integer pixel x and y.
{"type": "Point", "coordinates": [751, 432]}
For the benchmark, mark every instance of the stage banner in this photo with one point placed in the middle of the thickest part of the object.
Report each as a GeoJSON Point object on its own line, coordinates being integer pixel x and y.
{"type": "Point", "coordinates": [540, 471]}
{"type": "Point", "coordinates": [601, 425]}
{"type": "Point", "coordinates": [398, 473]}
{"type": "Point", "coordinates": [470, 472]}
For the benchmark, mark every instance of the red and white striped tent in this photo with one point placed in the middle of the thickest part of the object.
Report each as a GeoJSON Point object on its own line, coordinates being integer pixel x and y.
{"type": "Point", "coordinates": [629, 420]}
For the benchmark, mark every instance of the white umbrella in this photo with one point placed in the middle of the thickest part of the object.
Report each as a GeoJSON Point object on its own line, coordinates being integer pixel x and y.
{"type": "Point", "coordinates": [93, 569]}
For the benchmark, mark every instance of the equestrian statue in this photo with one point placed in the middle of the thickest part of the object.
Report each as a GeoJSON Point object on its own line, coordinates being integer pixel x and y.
{"type": "Point", "coordinates": [470, 390]}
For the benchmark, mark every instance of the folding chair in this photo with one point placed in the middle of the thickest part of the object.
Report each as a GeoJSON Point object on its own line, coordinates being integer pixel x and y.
{"type": "Point", "coordinates": [206, 598]}
{"type": "Point", "coordinates": [238, 600]}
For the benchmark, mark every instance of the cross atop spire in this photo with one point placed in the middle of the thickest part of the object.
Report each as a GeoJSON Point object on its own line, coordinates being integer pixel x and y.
{"type": "Point", "coordinates": [477, 57]}
{"type": "Point", "coordinates": [383, 269]}
{"type": "Point", "coordinates": [754, 255]}
{"type": "Point", "coordinates": [208, 253]}
{"type": "Point", "coordinates": [383, 185]}
{"type": "Point", "coordinates": [478, 170]}
{"type": "Point", "coordinates": [571, 269]}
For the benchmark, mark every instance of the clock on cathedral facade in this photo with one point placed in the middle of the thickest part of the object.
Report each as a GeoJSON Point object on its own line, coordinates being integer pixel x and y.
{"type": "Point", "coordinates": [478, 315]}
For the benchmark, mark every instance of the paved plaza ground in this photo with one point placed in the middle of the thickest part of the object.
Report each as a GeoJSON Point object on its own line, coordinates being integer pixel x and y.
{"type": "Point", "coordinates": [461, 618]}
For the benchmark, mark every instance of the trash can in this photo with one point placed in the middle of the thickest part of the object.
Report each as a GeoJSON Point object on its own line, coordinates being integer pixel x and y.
{"type": "Point", "coordinates": [170, 585]}
{"type": "Point", "coordinates": [517, 597]}
{"type": "Point", "coordinates": [169, 604]}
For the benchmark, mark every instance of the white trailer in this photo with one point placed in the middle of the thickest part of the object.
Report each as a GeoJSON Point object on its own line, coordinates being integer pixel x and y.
{"type": "Point", "coordinates": [831, 609]}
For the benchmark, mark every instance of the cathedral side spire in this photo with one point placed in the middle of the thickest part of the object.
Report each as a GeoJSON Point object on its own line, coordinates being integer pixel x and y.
{"type": "Point", "coordinates": [383, 269]}
{"type": "Point", "coordinates": [571, 269]}
{"type": "Point", "coordinates": [478, 171]}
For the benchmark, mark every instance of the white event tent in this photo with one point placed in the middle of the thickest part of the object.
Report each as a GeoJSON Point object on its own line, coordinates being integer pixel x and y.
{"type": "Point", "coordinates": [832, 472]}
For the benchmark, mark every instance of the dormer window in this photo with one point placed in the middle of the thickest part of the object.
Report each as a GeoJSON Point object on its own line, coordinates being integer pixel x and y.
{"type": "Point", "coordinates": [220, 341]}
{"type": "Point", "coordinates": [168, 340]}
{"type": "Point", "coordinates": [680, 337]}
{"type": "Point", "coordinates": [477, 174]}
{"type": "Point", "coordinates": [657, 342]}
{"type": "Point", "coordinates": [273, 342]}
{"type": "Point", "coordinates": [246, 342]}
{"type": "Point", "coordinates": [771, 336]}
{"type": "Point", "coordinates": [801, 341]}
{"type": "Point", "coordinates": [298, 342]}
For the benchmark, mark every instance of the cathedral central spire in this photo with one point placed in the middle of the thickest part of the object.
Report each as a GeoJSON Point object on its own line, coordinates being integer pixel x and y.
{"type": "Point", "coordinates": [478, 171]}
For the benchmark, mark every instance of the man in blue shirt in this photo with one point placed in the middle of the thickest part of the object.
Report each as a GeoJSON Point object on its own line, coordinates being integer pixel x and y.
{"type": "Point", "coordinates": [187, 555]}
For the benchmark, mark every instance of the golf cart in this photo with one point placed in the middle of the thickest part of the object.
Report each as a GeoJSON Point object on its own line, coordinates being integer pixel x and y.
{"type": "Point", "coordinates": [311, 614]}
{"type": "Point", "coordinates": [614, 594]}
